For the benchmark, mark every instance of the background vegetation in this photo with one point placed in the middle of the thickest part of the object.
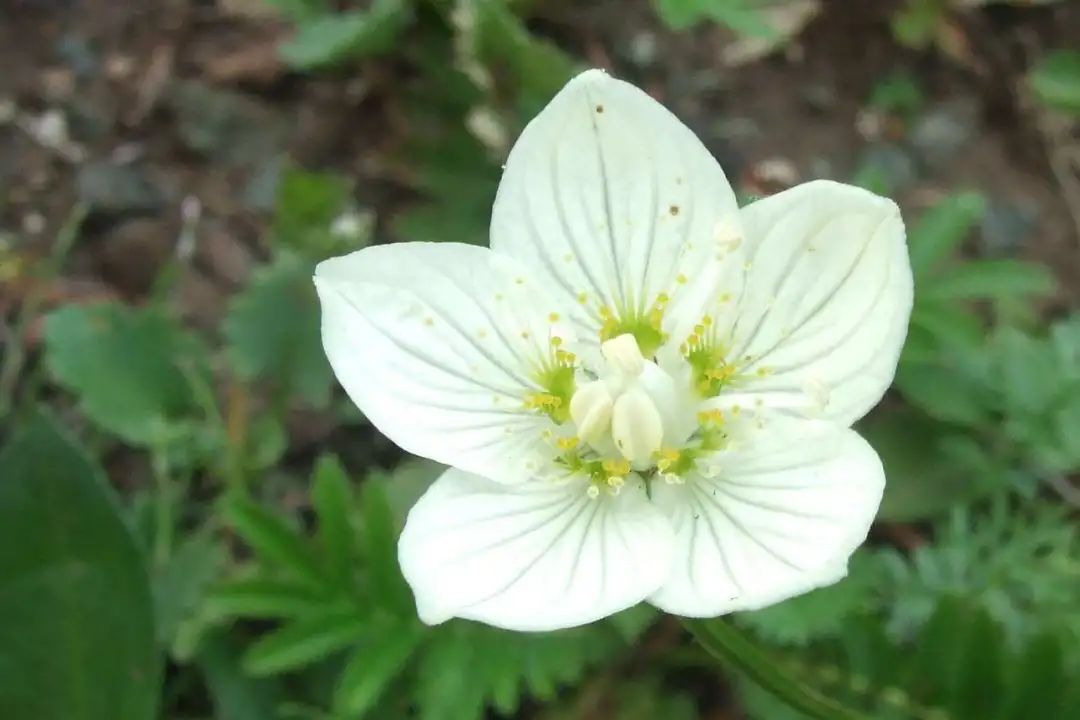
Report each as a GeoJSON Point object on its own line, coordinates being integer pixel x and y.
{"type": "Point", "coordinates": [196, 523]}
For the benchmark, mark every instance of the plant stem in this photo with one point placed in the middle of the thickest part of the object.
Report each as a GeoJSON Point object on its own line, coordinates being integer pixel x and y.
{"type": "Point", "coordinates": [15, 353]}
{"type": "Point", "coordinates": [163, 516]}
{"type": "Point", "coordinates": [734, 648]}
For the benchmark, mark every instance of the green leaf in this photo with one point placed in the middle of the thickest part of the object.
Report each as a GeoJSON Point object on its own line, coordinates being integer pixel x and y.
{"type": "Point", "coordinates": [741, 16]}
{"type": "Point", "coordinates": [990, 280]}
{"type": "Point", "coordinates": [939, 650]}
{"type": "Point", "coordinates": [944, 393]}
{"type": "Point", "coordinates": [536, 69]}
{"type": "Point", "coordinates": [235, 695]}
{"type": "Point", "coordinates": [503, 666]}
{"type": "Point", "coordinates": [977, 694]}
{"type": "Point", "coordinates": [1028, 376]}
{"type": "Point", "coordinates": [459, 178]}
{"type": "Point", "coordinates": [406, 483]}
{"type": "Point", "coordinates": [916, 24]}
{"type": "Point", "coordinates": [441, 220]}
{"type": "Point", "coordinates": [273, 540]}
{"type": "Point", "coordinates": [374, 666]}
{"type": "Point", "coordinates": [125, 366]}
{"type": "Point", "coordinates": [263, 599]}
{"type": "Point", "coordinates": [305, 641]}
{"type": "Point", "coordinates": [1018, 563]}
{"type": "Point", "coordinates": [443, 692]}
{"type": "Point", "coordinates": [923, 479]}
{"type": "Point", "coordinates": [308, 203]}
{"type": "Point", "coordinates": [76, 616]}
{"type": "Point", "coordinates": [941, 230]}
{"type": "Point", "coordinates": [182, 585]}
{"type": "Point", "coordinates": [733, 648]}
{"type": "Point", "coordinates": [332, 39]}
{"type": "Point", "coordinates": [301, 9]}
{"type": "Point", "coordinates": [632, 623]}
{"type": "Point", "coordinates": [647, 698]}
{"type": "Point", "coordinates": [379, 535]}
{"type": "Point", "coordinates": [898, 92]}
{"type": "Point", "coordinates": [950, 327]}
{"type": "Point", "coordinates": [335, 509]}
{"type": "Point", "coordinates": [1056, 80]}
{"type": "Point", "coordinates": [872, 176]}
{"type": "Point", "coordinates": [1037, 681]}
{"type": "Point", "coordinates": [272, 332]}
{"type": "Point", "coordinates": [818, 614]}
{"type": "Point", "coordinates": [444, 162]}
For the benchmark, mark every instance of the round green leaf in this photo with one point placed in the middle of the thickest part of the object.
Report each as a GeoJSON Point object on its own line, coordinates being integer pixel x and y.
{"type": "Point", "coordinates": [125, 366]}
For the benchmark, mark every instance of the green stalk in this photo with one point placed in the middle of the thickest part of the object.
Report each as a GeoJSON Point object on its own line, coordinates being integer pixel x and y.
{"type": "Point", "coordinates": [15, 353]}
{"type": "Point", "coordinates": [163, 511]}
{"type": "Point", "coordinates": [735, 649]}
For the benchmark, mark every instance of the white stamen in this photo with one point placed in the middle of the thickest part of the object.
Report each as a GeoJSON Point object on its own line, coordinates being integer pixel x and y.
{"type": "Point", "coordinates": [636, 426]}
{"type": "Point", "coordinates": [590, 409]}
{"type": "Point", "coordinates": [624, 355]}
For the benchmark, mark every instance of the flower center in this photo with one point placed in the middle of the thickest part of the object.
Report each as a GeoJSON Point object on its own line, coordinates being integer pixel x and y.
{"type": "Point", "coordinates": [630, 416]}
{"type": "Point", "coordinates": [617, 409]}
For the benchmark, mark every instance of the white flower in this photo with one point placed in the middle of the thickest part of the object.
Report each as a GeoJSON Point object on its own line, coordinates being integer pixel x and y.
{"type": "Point", "coordinates": [644, 392]}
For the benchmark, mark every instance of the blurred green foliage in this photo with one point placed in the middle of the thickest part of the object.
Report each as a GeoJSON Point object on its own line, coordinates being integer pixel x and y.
{"type": "Point", "coordinates": [283, 603]}
{"type": "Point", "coordinates": [744, 17]}
{"type": "Point", "coordinates": [1056, 80]}
{"type": "Point", "coordinates": [76, 619]}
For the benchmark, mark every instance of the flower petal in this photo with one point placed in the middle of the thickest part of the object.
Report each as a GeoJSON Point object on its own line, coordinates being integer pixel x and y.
{"type": "Point", "coordinates": [534, 556]}
{"type": "Point", "coordinates": [788, 504]}
{"type": "Point", "coordinates": [614, 201]}
{"type": "Point", "coordinates": [827, 297]}
{"type": "Point", "coordinates": [439, 344]}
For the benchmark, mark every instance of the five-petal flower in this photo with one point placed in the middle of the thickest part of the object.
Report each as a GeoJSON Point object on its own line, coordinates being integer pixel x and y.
{"type": "Point", "coordinates": [643, 392]}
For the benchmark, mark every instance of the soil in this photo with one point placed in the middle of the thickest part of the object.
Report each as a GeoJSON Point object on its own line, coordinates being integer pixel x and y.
{"type": "Point", "coordinates": [111, 68]}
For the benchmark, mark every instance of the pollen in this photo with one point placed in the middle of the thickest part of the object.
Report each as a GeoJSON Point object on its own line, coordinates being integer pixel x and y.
{"type": "Point", "coordinates": [543, 401]}
{"type": "Point", "coordinates": [568, 443]}
{"type": "Point", "coordinates": [707, 358]}
{"type": "Point", "coordinates": [711, 417]}
{"type": "Point", "coordinates": [666, 458]}
{"type": "Point", "coordinates": [681, 279]}
{"type": "Point", "coordinates": [583, 298]}
{"type": "Point", "coordinates": [615, 468]}
{"type": "Point", "coordinates": [554, 317]}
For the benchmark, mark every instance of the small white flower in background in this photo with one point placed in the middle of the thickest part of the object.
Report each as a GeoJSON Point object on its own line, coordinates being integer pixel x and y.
{"type": "Point", "coordinates": [644, 392]}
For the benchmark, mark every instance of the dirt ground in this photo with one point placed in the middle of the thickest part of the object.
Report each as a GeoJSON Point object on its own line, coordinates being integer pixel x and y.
{"type": "Point", "coordinates": [117, 71]}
